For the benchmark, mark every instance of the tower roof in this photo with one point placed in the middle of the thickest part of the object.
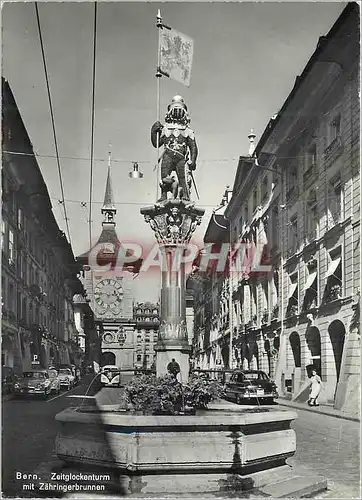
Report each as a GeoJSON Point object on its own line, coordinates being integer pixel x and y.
{"type": "Point", "coordinates": [108, 245]}
{"type": "Point", "coordinates": [108, 204]}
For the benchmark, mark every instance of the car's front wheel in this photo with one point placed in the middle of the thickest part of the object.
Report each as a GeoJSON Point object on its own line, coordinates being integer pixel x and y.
{"type": "Point", "coordinates": [239, 399]}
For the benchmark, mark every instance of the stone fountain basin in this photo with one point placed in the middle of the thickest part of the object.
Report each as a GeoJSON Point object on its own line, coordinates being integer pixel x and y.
{"type": "Point", "coordinates": [180, 453]}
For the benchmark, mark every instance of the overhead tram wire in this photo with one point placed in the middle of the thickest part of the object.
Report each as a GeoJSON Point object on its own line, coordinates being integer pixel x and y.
{"type": "Point", "coordinates": [92, 123]}
{"type": "Point", "coordinates": [53, 121]}
{"type": "Point", "coordinates": [115, 160]}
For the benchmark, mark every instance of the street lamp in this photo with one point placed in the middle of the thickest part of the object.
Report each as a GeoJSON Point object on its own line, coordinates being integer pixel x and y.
{"type": "Point", "coordinates": [136, 173]}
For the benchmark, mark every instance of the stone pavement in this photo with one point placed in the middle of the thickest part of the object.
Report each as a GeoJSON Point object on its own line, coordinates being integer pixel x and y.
{"type": "Point", "coordinates": [321, 409]}
{"type": "Point", "coordinates": [330, 447]}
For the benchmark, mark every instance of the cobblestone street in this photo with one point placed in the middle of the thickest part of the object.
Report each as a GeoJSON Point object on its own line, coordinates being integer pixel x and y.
{"type": "Point", "coordinates": [331, 447]}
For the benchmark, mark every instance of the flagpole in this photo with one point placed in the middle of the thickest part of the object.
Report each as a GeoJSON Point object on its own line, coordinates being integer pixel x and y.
{"type": "Point", "coordinates": [158, 77]}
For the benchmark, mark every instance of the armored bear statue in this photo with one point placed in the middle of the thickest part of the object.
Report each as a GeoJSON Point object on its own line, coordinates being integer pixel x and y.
{"type": "Point", "coordinates": [180, 148]}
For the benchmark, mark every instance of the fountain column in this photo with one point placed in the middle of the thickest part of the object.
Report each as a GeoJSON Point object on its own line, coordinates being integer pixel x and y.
{"type": "Point", "coordinates": [173, 222]}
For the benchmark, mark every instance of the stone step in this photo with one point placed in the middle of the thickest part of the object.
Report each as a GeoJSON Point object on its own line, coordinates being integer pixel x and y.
{"type": "Point", "coordinates": [295, 487]}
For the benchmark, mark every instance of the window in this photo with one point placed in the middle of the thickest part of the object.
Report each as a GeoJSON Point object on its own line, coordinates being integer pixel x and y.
{"type": "Point", "coordinates": [253, 303]}
{"type": "Point", "coordinates": [311, 158]}
{"type": "Point", "coordinates": [293, 302]}
{"type": "Point", "coordinates": [147, 340]}
{"type": "Point", "coordinates": [147, 357]}
{"type": "Point", "coordinates": [334, 129]}
{"type": "Point", "coordinates": [139, 338]}
{"type": "Point", "coordinates": [11, 297]}
{"type": "Point", "coordinates": [255, 199]}
{"type": "Point", "coordinates": [335, 202]}
{"type": "Point", "coordinates": [293, 235]}
{"type": "Point", "coordinates": [264, 189]}
{"type": "Point", "coordinates": [334, 284]}
{"type": "Point", "coordinates": [274, 286]}
{"type": "Point", "coordinates": [3, 236]}
{"type": "Point", "coordinates": [11, 254]}
{"type": "Point", "coordinates": [274, 223]}
{"type": "Point", "coordinates": [310, 164]}
{"type": "Point", "coordinates": [311, 286]}
{"type": "Point", "coordinates": [265, 288]}
{"type": "Point", "coordinates": [139, 358]}
{"type": "Point", "coordinates": [20, 218]}
{"type": "Point", "coordinates": [311, 218]}
{"type": "Point", "coordinates": [292, 181]}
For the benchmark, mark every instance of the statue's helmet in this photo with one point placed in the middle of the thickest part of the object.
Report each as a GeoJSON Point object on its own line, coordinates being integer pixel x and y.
{"type": "Point", "coordinates": [177, 110]}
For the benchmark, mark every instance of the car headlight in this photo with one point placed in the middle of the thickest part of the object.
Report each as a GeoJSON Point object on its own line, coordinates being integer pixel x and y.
{"type": "Point", "coordinates": [17, 386]}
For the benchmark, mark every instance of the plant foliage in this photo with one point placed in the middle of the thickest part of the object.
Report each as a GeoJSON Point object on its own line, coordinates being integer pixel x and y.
{"type": "Point", "coordinates": [167, 396]}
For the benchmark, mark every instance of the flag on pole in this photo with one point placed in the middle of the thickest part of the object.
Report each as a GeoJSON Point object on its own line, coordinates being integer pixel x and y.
{"type": "Point", "coordinates": [176, 52]}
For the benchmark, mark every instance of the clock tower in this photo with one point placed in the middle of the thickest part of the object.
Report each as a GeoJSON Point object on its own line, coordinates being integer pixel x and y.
{"type": "Point", "coordinates": [109, 290]}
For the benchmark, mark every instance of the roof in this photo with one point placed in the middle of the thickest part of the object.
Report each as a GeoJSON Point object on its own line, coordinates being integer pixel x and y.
{"type": "Point", "coordinates": [331, 52]}
{"type": "Point", "coordinates": [30, 173]}
{"type": "Point", "coordinates": [108, 195]}
{"type": "Point", "coordinates": [351, 11]}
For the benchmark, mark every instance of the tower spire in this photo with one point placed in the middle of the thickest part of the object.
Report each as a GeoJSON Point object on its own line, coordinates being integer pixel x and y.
{"type": "Point", "coordinates": [109, 209]}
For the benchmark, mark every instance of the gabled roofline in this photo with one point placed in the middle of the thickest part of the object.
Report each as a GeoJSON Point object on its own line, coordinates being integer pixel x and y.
{"type": "Point", "coordinates": [352, 7]}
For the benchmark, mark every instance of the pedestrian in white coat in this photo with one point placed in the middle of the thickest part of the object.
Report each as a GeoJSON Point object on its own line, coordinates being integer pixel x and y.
{"type": "Point", "coordinates": [316, 386]}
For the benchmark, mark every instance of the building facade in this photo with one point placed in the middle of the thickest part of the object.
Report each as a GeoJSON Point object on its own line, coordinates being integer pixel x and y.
{"type": "Point", "coordinates": [147, 318]}
{"type": "Point", "coordinates": [209, 288]}
{"type": "Point", "coordinates": [39, 273]}
{"type": "Point", "coordinates": [297, 196]}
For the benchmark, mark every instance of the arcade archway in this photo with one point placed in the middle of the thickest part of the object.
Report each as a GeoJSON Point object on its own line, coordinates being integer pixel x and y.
{"type": "Point", "coordinates": [313, 344]}
{"type": "Point", "coordinates": [337, 334]}
{"type": "Point", "coordinates": [294, 341]}
{"type": "Point", "coordinates": [108, 358]}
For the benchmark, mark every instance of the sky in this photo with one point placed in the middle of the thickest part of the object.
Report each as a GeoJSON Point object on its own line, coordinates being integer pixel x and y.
{"type": "Point", "coordinates": [246, 59]}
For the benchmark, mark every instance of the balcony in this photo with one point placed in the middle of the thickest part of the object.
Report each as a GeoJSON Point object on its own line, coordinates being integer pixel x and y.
{"type": "Point", "coordinates": [292, 250]}
{"type": "Point", "coordinates": [334, 217]}
{"type": "Point", "coordinates": [292, 311]}
{"type": "Point", "coordinates": [309, 175]}
{"type": "Point", "coordinates": [265, 317]}
{"type": "Point", "coordinates": [275, 313]}
{"type": "Point", "coordinates": [311, 235]}
{"type": "Point", "coordinates": [334, 293]}
{"type": "Point", "coordinates": [8, 315]}
{"type": "Point", "coordinates": [252, 323]}
{"type": "Point", "coordinates": [292, 193]}
{"type": "Point", "coordinates": [333, 151]}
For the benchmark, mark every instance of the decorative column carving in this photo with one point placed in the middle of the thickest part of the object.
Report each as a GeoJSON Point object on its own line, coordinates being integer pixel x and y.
{"type": "Point", "coordinates": [173, 222]}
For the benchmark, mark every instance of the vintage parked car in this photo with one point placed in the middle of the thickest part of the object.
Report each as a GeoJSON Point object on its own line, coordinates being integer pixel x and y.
{"type": "Point", "coordinates": [110, 376]}
{"type": "Point", "coordinates": [250, 385]}
{"type": "Point", "coordinates": [66, 378]}
{"type": "Point", "coordinates": [54, 379]}
{"type": "Point", "coordinates": [8, 380]}
{"type": "Point", "coordinates": [34, 382]}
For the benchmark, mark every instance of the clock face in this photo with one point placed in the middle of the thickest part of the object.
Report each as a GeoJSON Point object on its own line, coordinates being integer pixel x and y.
{"type": "Point", "coordinates": [108, 338]}
{"type": "Point", "coordinates": [108, 295]}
